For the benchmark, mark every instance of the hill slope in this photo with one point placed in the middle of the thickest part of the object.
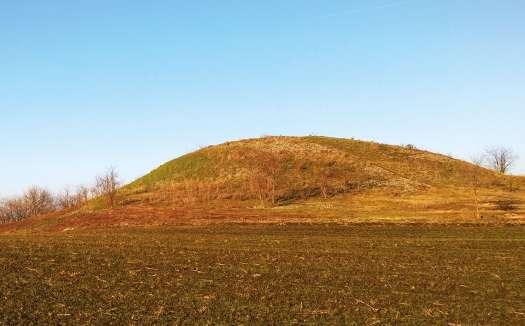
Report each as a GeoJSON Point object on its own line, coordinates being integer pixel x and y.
{"type": "Point", "coordinates": [303, 164]}
{"type": "Point", "coordinates": [309, 179]}
{"type": "Point", "coordinates": [279, 170]}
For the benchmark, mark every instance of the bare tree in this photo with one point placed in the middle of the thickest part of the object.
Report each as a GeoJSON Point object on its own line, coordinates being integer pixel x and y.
{"type": "Point", "coordinates": [265, 179]}
{"type": "Point", "coordinates": [72, 199]}
{"type": "Point", "coordinates": [500, 159]}
{"type": "Point", "coordinates": [326, 173]}
{"type": "Point", "coordinates": [39, 201]}
{"type": "Point", "coordinates": [4, 217]}
{"type": "Point", "coordinates": [82, 195]}
{"type": "Point", "coordinates": [477, 160]}
{"type": "Point", "coordinates": [13, 209]}
{"type": "Point", "coordinates": [34, 201]}
{"type": "Point", "coordinates": [65, 199]}
{"type": "Point", "coordinates": [107, 185]}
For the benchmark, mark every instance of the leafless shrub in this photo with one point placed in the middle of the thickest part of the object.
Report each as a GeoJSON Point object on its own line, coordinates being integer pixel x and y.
{"type": "Point", "coordinates": [107, 186]}
{"type": "Point", "coordinates": [478, 161]}
{"type": "Point", "coordinates": [326, 174]}
{"type": "Point", "coordinates": [82, 195]}
{"type": "Point", "coordinates": [73, 199]}
{"type": "Point", "coordinates": [65, 199]}
{"type": "Point", "coordinates": [14, 209]}
{"type": "Point", "coordinates": [39, 201]}
{"type": "Point", "coordinates": [500, 159]}
{"type": "Point", "coordinates": [265, 179]}
{"type": "Point", "coordinates": [4, 217]}
{"type": "Point", "coordinates": [34, 201]}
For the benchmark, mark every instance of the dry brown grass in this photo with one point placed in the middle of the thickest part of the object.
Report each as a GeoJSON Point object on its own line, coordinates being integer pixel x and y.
{"type": "Point", "coordinates": [284, 179]}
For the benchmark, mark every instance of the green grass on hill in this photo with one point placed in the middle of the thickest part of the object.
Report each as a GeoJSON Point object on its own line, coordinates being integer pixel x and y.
{"type": "Point", "coordinates": [296, 168]}
{"type": "Point", "coordinates": [190, 166]}
{"type": "Point", "coordinates": [417, 165]}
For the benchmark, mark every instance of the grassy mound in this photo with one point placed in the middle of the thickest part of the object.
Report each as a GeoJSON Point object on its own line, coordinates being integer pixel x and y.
{"type": "Point", "coordinates": [285, 169]}
{"type": "Point", "coordinates": [304, 180]}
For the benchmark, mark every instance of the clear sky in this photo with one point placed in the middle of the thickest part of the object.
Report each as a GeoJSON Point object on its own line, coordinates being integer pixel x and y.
{"type": "Point", "coordinates": [89, 84]}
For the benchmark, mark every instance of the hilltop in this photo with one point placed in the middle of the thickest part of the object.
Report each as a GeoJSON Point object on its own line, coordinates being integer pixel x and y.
{"type": "Point", "coordinates": [297, 179]}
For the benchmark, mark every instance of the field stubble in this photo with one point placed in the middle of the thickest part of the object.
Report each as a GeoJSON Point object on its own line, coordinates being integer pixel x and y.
{"type": "Point", "coordinates": [297, 273]}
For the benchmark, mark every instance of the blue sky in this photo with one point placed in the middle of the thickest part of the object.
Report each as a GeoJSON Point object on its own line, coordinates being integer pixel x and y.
{"type": "Point", "coordinates": [89, 84]}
